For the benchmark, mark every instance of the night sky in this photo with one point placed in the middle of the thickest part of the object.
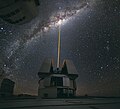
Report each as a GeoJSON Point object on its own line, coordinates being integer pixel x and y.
{"type": "Point", "coordinates": [90, 37]}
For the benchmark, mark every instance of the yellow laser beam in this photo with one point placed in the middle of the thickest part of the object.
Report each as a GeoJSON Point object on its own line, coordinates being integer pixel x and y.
{"type": "Point", "coordinates": [58, 59]}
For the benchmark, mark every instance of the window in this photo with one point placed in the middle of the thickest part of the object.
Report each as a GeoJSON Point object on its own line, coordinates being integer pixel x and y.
{"type": "Point", "coordinates": [65, 91]}
{"type": "Point", "coordinates": [56, 81]}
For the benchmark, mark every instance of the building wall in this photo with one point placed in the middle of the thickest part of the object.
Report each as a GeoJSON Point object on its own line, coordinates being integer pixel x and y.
{"type": "Point", "coordinates": [2, 76]}
{"type": "Point", "coordinates": [71, 84]}
{"type": "Point", "coordinates": [47, 81]}
{"type": "Point", "coordinates": [50, 92]}
{"type": "Point", "coordinates": [66, 81]}
{"type": "Point", "coordinates": [41, 84]}
{"type": "Point", "coordinates": [7, 88]}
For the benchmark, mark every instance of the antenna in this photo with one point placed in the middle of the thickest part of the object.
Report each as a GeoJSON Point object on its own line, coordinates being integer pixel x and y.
{"type": "Point", "coordinates": [58, 58]}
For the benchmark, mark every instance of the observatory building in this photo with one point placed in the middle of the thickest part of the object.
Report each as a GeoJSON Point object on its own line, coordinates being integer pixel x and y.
{"type": "Point", "coordinates": [7, 88]}
{"type": "Point", "coordinates": [6, 85]}
{"type": "Point", "coordinates": [57, 83]}
{"type": "Point", "coordinates": [2, 75]}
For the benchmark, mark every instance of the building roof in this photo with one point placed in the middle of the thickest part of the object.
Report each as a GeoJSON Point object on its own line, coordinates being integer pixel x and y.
{"type": "Point", "coordinates": [8, 81]}
{"type": "Point", "coordinates": [69, 68]}
{"type": "Point", "coordinates": [46, 68]}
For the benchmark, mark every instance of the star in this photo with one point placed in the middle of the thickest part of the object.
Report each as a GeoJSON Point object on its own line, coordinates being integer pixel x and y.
{"type": "Point", "coordinates": [89, 37]}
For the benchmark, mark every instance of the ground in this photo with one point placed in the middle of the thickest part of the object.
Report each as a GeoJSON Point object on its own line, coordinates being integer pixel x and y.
{"type": "Point", "coordinates": [94, 103]}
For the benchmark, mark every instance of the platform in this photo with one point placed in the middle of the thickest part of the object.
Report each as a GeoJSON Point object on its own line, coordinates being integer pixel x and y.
{"type": "Point", "coordinates": [95, 103]}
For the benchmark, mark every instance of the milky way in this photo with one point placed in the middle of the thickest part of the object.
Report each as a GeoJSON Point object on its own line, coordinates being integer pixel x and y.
{"type": "Point", "coordinates": [89, 36]}
{"type": "Point", "coordinates": [61, 16]}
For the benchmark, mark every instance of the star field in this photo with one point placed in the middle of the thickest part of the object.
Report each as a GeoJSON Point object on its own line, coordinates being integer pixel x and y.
{"type": "Point", "coordinates": [90, 31]}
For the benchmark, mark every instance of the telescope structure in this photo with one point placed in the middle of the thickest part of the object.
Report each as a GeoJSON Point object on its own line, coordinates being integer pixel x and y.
{"type": "Point", "coordinates": [59, 82]}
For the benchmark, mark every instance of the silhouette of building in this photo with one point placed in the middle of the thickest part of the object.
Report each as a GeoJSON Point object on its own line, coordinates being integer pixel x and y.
{"type": "Point", "coordinates": [7, 88]}
{"type": "Point", "coordinates": [18, 11]}
{"type": "Point", "coordinates": [57, 83]}
{"type": "Point", "coordinates": [2, 75]}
